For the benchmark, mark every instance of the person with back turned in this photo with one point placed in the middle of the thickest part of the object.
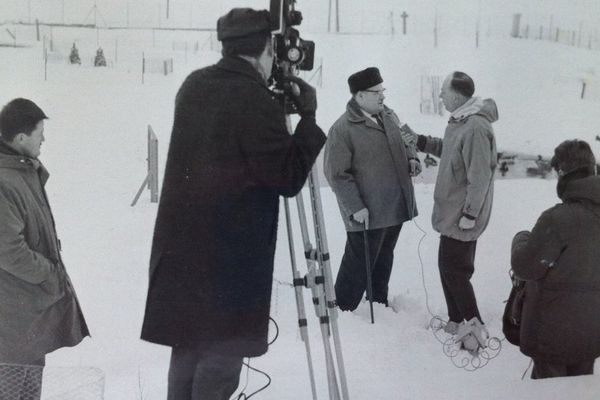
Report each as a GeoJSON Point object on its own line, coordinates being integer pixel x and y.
{"type": "Point", "coordinates": [558, 260]}
{"type": "Point", "coordinates": [230, 158]}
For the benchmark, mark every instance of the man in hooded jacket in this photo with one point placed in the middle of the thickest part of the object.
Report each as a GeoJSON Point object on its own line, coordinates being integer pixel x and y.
{"type": "Point", "coordinates": [230, 158]}
{"type": "Point", "coordinates": [463, 196]}
{"type": "Point", "coordinates": [559, 259]}
{"type": "Point", "coordinates": [39, 311]}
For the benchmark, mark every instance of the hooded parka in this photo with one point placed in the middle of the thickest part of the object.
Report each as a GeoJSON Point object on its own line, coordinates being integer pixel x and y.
{"type": "Point", "coordinates": [230, 157]}
{"type": "Point", "coordinates": [560, 260]}
{"type": "Point", "coordinates": [465, 179]}
{"type": "Point", "coordinates": [39, 311]}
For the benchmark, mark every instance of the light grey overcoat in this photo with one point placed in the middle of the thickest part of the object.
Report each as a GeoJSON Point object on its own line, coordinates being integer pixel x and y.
{"type": "Point", "coordinates": [369, 167]}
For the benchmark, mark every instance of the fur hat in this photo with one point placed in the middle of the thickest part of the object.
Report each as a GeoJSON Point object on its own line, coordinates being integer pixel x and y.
{"type": "Point", "coordinates": [573, 155]}
{"type": "Point", "coordinates": [364, 79]}
{"type": "Point", "coordinates": [242, 22]}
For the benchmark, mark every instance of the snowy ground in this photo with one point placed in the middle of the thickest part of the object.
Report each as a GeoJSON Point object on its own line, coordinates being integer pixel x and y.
{"type": "Point", "coordinates": [95, 151]}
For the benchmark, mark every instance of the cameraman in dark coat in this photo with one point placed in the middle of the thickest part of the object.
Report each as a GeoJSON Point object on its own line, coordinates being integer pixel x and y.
{"type": "Point", "coordinates": [559, 259]}
{"type": "Point", "coordinates": [230, 158]}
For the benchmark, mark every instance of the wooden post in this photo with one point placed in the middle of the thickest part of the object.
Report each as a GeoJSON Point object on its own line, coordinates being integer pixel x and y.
{"type": "Point", "coordinates": [143, 67]}
{"type": "Point", "coordinates": [516, 26]}
{"type": "Point", "coordinates": [337, 16]}
{"type": "Point", "coordinates": [45, 64]}
{"type": "Point", "coordinates": [329, 17]}
{"type": "Point", "coordinates": [151, 180]}
{"type": "Point", "coordinates": [435, 29]}
{"type": "Point", "coordinates": [37, 29]}
{"type": "Point", "coordinates": [582, 89]}
{"type": "Point", "coordinates": [404, 15]}
{"type": "Point", "coordinates": [152, 165]}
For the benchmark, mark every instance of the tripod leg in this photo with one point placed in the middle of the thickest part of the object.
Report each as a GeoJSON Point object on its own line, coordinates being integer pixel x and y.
{"type": "Point", "coordinates": [298, 283]}
{"type": "Point", "coordinates": [316, 282]}
{"type": "Point", "coordinates": [323, 251]}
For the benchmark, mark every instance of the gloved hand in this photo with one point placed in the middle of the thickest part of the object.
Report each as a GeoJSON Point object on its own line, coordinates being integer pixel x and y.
{"type": "Point", "coordinates": [410, 137]}
{"type": "Point", "coordinates": [466, 223]}
{"type": "Point", "coordinates": [303, 95]}
{"type": "Point", "coordinates": [362, 217]}
{"type": "Point", "coordinates": [414, 167]}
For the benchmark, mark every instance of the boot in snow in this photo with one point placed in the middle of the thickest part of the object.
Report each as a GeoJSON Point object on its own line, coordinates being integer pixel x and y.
{"type": "Point", "coordinates": [472, 335]}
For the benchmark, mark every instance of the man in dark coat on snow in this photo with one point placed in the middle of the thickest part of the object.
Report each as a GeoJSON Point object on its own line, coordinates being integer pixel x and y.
{"type": "Point", "coordinates": [39, 311]}
{"type": "Point", "coordinates": [369, 168]}
{"type": "Point", "coordinates": [230, 158]}
{"type": "Point", "coordinates": [559, 260]}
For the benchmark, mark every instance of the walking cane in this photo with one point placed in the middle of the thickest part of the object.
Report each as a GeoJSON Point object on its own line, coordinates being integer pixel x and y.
{"type": "Point", "coordinates": [368, 267]}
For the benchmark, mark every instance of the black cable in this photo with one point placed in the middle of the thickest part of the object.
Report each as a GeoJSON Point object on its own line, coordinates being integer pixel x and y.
{"type": "Point", "coordinates": [242, 395]}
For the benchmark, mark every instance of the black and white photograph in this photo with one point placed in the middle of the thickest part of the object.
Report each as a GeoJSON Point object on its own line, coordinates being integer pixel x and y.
{"type": "Point", "coordinates": [299, 199]}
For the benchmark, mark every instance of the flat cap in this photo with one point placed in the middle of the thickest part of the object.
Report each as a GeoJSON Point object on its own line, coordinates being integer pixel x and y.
{"type": "Point", "coordinates": [364, 79]}
{"type": "Point", "coordinates": [241, 22]}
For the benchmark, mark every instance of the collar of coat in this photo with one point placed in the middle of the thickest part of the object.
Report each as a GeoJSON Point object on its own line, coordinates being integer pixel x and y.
{"type": "Point", "coordinates": [471, 106]}
{"type": "Point", "coordinates": [355, 115]}
{"type": "Point", "coordinates": [9, 158]}
{"type": "Point", "coordinates": [240, 66]}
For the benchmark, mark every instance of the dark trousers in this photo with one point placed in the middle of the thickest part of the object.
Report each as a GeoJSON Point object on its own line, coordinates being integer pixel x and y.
{"type": "Point", "coordinates": [198, 375]}
{"type": "Point", "coordinates": [21, 382]}
{"type": "Point", "coordinates": [548, 370]}
{"type": "Point", "coordinates": [456, 263]}
{"type": "Point", "coordinates": [351, 281]}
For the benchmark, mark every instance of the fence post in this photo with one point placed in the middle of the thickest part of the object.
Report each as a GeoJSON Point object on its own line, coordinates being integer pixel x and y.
{"type": "Point", "coordinates": [516, 26]}
{"type": "Point", "coordinates": [152, 165]}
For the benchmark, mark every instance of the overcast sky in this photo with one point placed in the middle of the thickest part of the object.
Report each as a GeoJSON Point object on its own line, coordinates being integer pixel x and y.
{"type": "Point", "coordinates": [203, 13]}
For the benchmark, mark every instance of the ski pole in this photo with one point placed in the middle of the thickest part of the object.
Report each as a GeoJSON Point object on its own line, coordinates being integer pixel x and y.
{"type": "Point", "coordinates": [368, 267]}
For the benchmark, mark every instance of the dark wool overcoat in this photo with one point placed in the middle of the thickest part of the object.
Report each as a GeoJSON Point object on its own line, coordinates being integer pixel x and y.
{"type": "Point", "coordinates": [560, 260]}
{"type": "Point", "coordinates": [230, 157]}
{"type": "Point", "coordinates": [39, 311]}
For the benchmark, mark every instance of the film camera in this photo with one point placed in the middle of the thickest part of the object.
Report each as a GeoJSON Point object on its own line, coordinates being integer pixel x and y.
{"type": "Point", "coordinates": [292, 53]}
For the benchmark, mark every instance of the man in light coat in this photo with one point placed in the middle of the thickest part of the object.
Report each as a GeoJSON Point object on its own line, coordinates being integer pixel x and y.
{"type": "Point", "coordinates": [230, 158]}
{"type": "Point", "coordinates": [463, 195]}
{"type": "Point", "coordinates": [369, 168]}
{"type": "Point", "coordinates": [39, 311]}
